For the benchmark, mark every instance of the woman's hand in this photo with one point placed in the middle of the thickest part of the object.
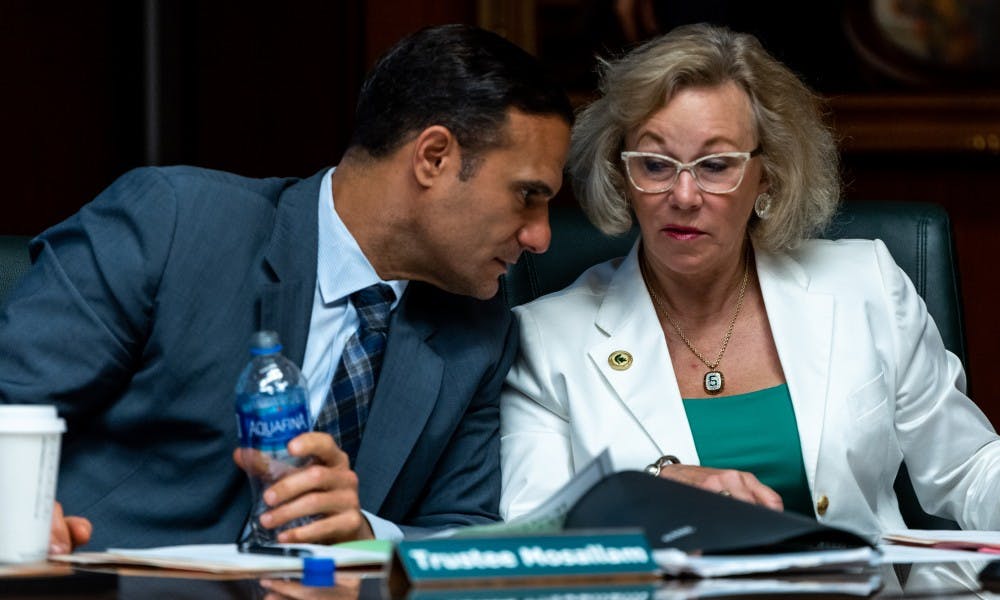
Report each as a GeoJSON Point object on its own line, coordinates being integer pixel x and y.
{"type": "Point", "coordinates": [738, 484]}
{"type": "Point", "coordinates": [327, 488]}
{"type": "Point", "coordinates": [67, 532]}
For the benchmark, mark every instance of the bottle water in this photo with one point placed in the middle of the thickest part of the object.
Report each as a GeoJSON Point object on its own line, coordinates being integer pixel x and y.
{"type": "Point", "coordinates": [272, 407]}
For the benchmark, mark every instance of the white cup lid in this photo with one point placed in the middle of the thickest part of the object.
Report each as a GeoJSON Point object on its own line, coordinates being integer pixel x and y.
{"type": "Point", "coordinates": [30, 418]}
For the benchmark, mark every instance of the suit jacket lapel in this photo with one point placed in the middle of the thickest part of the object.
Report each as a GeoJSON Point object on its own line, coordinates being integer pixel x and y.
{"type": "Point", "coordinates": [648, 389]}
{"type": "Point", "coordinates": [407, 390]}
{"type": "Point", "coordinates": [802, 325]}
{"type": "Point", "coordinates": [282, 309]}
{"type": "Point", "coordinates": [411, 369]}
{"type": "Point", "coordinates": [286, 300]}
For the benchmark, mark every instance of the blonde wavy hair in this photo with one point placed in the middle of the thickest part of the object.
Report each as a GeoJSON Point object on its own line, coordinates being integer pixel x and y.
{"type": "Point", "coordinates": [799, 152]}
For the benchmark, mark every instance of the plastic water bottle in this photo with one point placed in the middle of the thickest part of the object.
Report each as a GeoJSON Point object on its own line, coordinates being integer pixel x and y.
{"type": "Point", "coordinates": [272, 407]}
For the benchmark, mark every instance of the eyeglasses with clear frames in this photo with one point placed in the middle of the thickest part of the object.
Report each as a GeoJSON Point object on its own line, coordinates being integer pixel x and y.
{"type": "Point", "coordinates": [654, 173]}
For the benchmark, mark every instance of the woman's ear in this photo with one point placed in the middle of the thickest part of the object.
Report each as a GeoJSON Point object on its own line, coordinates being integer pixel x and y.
{"type": "Point", "coordinates": [435, 152]}
{"type": "Point", "coordinates": [764, 186]}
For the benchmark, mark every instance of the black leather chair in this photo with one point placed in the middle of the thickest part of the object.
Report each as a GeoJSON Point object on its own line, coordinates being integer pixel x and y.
{"type": "Point", "coordinates": [14, 262]}
{"type": "Point", "coordinates": [917, 234]}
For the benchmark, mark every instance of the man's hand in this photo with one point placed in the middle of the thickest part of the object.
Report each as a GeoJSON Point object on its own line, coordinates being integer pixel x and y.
{"type": "Point", "coordinates": [67, 532]}
{"type": "Point", "coordinates": [738, 484]}
{"type": "Point", "coordinates": [327, 488]}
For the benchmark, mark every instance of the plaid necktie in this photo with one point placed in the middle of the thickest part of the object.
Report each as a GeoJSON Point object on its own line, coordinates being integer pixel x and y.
{"type": "Point", "coordinates": [345, 410]}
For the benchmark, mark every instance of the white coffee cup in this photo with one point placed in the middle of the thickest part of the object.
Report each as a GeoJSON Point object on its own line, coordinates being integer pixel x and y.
{"type": "Point", "coordinates": [30, 436]}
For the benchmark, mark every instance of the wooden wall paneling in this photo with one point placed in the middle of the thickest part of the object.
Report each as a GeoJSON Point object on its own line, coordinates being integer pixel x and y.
{"type": "Point", "coordinates": [70, 114]}
{"type": "Point", "coordinates": [515, 20]}
{"type": "Point", "coordinates": [257, 87]}
{"type": "Point", "coordinates": [386, 21]}
{"type": "Point", "coordinates": [905, 123]}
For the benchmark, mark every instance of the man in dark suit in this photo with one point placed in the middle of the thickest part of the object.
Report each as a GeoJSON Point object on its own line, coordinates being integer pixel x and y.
{"type": "Point", "coordinates": [136, 315]}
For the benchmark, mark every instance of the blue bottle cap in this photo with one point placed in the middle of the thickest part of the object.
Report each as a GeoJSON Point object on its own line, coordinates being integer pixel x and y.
{"type": "Point", "coordinates": [318, 572]}
{"type": "Point", "coordinates": [265, 342]}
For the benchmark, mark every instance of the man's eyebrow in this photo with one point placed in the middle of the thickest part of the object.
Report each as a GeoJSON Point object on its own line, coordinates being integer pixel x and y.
{"type": "Point", "coordinates": [537, 187]}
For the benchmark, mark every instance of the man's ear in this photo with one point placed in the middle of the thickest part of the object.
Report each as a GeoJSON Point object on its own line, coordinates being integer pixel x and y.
{"type": "Point", "coordinates": [435, 152]}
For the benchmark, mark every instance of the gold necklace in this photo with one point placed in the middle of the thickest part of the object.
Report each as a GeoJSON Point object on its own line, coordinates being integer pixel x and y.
{"type": "Point", "coordinates": [713, 381]}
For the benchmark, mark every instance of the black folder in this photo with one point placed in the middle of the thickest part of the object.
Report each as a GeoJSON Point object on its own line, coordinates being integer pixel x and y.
{"type": "Point", "coordinates": [675, 515]}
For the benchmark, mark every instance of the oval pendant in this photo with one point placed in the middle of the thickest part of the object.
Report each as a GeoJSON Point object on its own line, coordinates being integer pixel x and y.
{"type": "Point", "coordinates": [714, 382]}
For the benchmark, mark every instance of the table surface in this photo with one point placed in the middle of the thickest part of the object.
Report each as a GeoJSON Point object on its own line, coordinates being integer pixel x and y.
{"type": "Point", "coordinates": [929, 580]}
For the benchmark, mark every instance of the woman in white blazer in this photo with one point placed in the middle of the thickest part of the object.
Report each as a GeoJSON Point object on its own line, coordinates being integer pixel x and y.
{"type": "Point", "coordinates": [728, 350]}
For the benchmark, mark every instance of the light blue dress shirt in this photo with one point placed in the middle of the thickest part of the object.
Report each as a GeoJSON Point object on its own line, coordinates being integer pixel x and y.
{"type": "Point", "coordinates": [341, 270]}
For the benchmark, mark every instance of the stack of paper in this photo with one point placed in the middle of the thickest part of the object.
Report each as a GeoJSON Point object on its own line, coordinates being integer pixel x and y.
{"type": "Point", "coordinates": [225, 558]}
{"type": "Point", "coordinates": [676, 562]}
{"type": "Point", "coordinates": [860, 584]}
{"type": "Point", "coordinates": [923, 546]}
{"type": "Point", "coordinates": [976, 541]}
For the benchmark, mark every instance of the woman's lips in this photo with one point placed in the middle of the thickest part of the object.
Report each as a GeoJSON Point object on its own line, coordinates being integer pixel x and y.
{"type": "Point", "coordinates": [678, 232]}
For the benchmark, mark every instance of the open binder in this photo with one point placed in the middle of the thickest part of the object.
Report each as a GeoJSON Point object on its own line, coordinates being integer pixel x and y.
{"type": "Point", "coordinates": [675, 515]}
{"type": "Point", "coordinates": [692, 532]}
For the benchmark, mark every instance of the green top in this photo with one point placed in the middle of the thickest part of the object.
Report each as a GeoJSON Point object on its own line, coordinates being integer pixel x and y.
{"type": "Point", "coordinates": [757, 433]}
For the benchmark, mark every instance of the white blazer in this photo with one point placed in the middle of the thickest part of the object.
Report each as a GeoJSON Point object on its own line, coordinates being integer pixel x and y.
{"type": "Point", "coordinates": [870, 380]}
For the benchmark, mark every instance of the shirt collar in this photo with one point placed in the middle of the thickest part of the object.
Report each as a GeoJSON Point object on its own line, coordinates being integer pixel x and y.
{"type": "Point", "coordinates": [341, 266]}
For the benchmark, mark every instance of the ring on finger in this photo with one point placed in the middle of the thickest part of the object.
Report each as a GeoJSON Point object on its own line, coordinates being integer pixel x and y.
{"type": "Point", "coordinates": [725, 492]}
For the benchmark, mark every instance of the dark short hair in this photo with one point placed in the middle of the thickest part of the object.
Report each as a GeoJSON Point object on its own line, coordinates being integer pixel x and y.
{"type": "Point", "coordinates": [458, 76]}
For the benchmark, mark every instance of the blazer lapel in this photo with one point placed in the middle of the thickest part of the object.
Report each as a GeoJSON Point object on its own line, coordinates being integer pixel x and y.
{"type": "Point", "coordinates": [648, 389]}
{"type": "Point", "coordinates": [283, 308]}
{"type": "Point", "coordinates": [286, 300]}
{"type": "Point", "coordinates": [802, 326]}
{"type": "Point", "coordinates": [411, 369]}
{"type": "Point", "coordinates": [407, 390]}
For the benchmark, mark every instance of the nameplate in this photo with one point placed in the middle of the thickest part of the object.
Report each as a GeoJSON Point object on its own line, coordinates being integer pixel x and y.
{"type": "Point", "coordinates": [621, 555]}
{"type": "Point", "coordinates": [588, 591]}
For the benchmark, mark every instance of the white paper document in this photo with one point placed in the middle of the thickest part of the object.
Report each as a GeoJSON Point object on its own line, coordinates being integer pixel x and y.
{"type": "Point", "coordinates": [675, 562]}
{"type": "Point", "coordinates": [225, 558]}
{"type": "Point", "coordinates": [894, 553]}
{"type": "Point", "coordinates": [861, 585]}
{"type": "Point", "coordinates": [932, 545]}
{"type": "Point", "coordinates": [549, 516]}
{"type": "Point", "coordinates": [946, 538]}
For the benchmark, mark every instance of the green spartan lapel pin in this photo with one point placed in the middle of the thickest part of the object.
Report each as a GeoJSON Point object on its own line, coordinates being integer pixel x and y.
{"type": "Point", "coordinates": [620, 360]}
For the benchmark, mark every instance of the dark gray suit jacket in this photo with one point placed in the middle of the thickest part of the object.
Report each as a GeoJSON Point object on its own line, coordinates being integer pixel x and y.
{"type": "Point", "coordinates": [135, 319]}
